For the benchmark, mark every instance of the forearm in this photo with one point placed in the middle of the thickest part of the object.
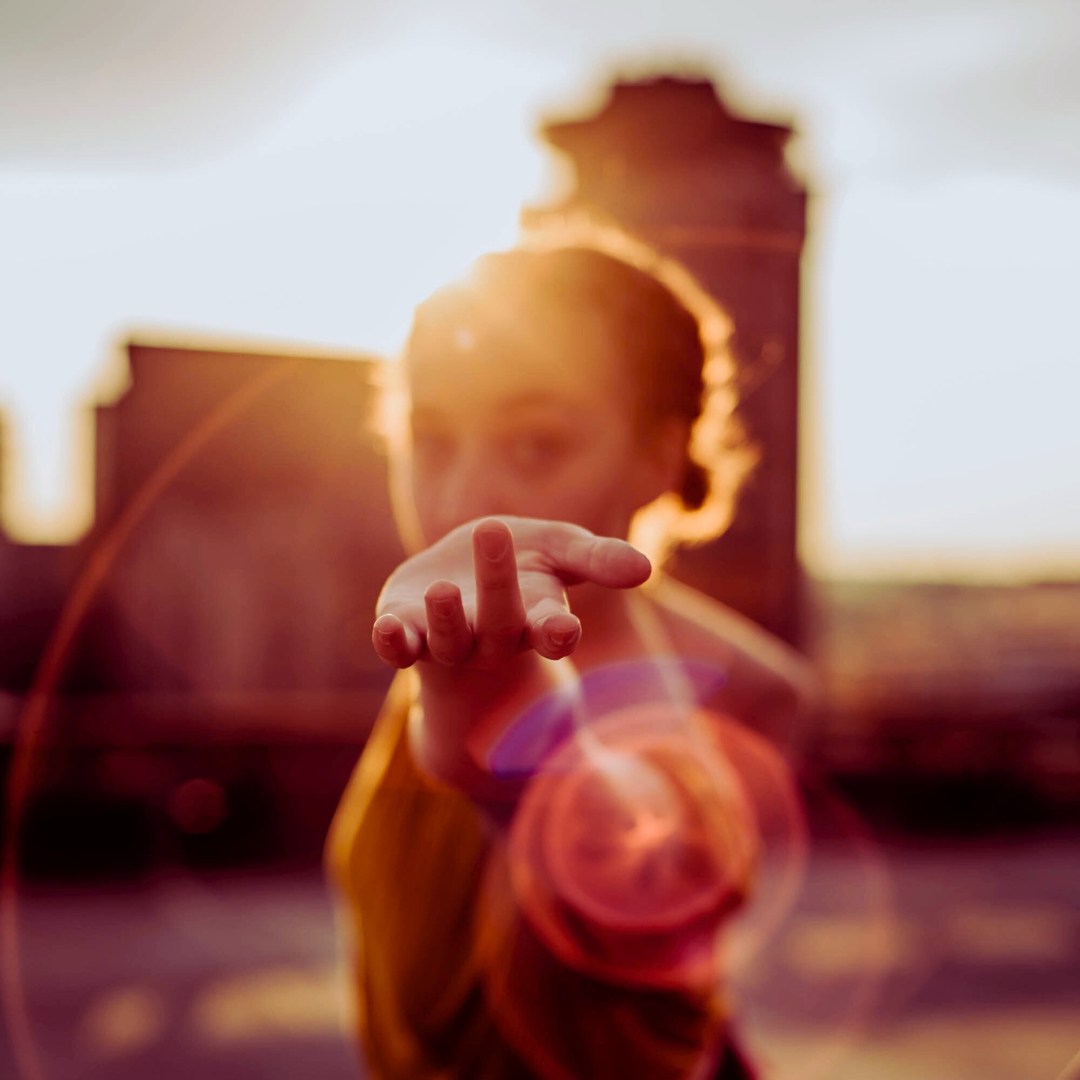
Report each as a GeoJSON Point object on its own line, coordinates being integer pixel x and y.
{"type": "Point", "coordinates": [462, 712]}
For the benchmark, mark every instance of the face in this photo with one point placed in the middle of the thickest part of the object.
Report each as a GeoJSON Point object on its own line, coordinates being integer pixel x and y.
{"type": "Point", "coordinates": [549, 432]}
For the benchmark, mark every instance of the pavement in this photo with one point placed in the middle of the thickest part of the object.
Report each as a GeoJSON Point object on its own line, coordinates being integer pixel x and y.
{"type": "Point", "coordinates": [936, 961]}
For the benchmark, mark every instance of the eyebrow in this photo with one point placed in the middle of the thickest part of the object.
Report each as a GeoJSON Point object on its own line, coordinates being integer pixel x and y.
{"type": "Point", "coordinates": [516, 404]}
{"type": "Point", "coordinates": [536, 399]}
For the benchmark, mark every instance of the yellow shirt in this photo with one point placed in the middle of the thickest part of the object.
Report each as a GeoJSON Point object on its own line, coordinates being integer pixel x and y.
{"type": "Point", "coordinates": [450, 980]}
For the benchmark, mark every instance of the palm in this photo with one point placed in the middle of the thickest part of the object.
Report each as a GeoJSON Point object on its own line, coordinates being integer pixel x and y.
{"type": "Point", "coordinates": [491, 588]}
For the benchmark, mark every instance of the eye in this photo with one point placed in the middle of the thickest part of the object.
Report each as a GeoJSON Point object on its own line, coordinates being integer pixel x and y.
{"type": "Point", "coordinates": [431, 447]}
{"type": "Point", "coordinates": [535, 450]}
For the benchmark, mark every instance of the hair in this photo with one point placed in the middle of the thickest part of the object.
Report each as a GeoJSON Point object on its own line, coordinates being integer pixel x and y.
{"type": "Point", "coordinates": [674, 338]}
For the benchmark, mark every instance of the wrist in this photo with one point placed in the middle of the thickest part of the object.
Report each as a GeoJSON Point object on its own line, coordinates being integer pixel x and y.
{"type": "Point", "coordinates": [460, 714]}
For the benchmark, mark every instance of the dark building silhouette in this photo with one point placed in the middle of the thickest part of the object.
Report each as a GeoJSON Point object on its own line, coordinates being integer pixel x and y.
{"type": "Point", "coordinates": [241, 535]}
{"type": "Point", "coordinates": [249, 564]}
{"type": "Point", "coordinates": [667, 161]}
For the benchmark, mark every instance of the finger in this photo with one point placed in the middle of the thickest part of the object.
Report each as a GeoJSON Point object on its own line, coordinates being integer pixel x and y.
{"type": "Point", "coordinates": [500, 611]}
{"type": "Point", "coordinates": [551, 629]}
{"type": "Point", "coordinates": [449, 636]}
{"type": "Point", "coordinates": [578, 555]}
{"type": "Point", "coordinates": [396, 642]}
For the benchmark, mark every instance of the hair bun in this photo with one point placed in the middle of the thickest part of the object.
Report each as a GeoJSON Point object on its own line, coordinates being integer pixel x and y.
{"type": "Point", "coordinates": [694, 489]}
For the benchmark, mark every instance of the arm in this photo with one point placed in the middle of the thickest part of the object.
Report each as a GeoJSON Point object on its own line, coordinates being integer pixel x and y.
{"type": "Point", "coordinates": [478, 631]}
{"type": "Point", "coordinates": [478, 614]}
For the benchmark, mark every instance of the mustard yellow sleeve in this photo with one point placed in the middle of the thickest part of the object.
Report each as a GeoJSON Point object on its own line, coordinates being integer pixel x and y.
{"type": "Point", "coordinates": [405, 856]}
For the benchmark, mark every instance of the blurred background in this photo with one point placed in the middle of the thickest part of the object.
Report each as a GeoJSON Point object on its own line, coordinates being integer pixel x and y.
{"type": "Point", "coordinates": [216, 219]}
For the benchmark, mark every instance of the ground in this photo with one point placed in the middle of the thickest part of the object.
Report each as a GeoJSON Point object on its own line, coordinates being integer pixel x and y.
{"type": "Point", "coordinates": [923, 962]}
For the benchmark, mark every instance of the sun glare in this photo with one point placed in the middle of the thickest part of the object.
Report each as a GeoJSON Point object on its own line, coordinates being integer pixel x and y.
{"type": "Point", "coordinates": [322, 231]}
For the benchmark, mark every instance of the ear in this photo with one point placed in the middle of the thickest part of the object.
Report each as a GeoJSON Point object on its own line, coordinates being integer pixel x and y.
{"type": "Point", "coordinates": [663, 453]}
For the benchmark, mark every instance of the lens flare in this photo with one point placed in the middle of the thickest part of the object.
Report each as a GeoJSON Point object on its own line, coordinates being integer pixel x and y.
{"type": "Point", "coordinates": [632, 845]}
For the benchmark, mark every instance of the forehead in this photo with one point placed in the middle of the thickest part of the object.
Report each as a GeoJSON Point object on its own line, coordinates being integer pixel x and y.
{"type": "Point", "coordinates": [469, 357]}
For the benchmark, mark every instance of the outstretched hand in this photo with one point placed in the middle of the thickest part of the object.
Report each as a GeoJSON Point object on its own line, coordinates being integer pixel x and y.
{"type": "Point", "coordinates": [490, 589]}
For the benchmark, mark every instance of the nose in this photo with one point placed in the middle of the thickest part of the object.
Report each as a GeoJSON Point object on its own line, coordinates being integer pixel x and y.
{"type": "Point", "coordinates": [473, 487]}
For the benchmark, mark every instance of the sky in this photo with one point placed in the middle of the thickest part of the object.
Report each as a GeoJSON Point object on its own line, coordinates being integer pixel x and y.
{"type": "Point", "coordinates": [304, 173]}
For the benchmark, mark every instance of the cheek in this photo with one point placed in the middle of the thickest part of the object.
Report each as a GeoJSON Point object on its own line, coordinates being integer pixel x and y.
{"type": "Point", "coordinates": [404, 502]}
{"type": "Point", "coordinates": [435, 509]}
{"type": "Point", "coordinates": [424, 504]}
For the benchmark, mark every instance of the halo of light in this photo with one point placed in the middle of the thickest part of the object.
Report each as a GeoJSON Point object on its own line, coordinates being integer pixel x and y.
{"type": "Point", "coordinates": [631, 845]}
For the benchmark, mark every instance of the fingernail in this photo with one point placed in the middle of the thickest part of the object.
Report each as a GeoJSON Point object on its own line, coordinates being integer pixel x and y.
{"type": "Point", "coordinates": [492, 543]}
{"type": "Point", "coordinates": [562, 638]}
{"type": "Point", "coordinates": [443, 606]}
{"type": "Point", "coordinates": [385, 634]}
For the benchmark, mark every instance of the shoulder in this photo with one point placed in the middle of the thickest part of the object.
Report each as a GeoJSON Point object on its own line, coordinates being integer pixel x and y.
{"type": "Point", "coordinates": [768, 684]}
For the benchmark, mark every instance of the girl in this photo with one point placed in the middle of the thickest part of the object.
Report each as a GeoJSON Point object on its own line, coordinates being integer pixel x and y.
{"type": "Point", "coordinates": [567, 396]}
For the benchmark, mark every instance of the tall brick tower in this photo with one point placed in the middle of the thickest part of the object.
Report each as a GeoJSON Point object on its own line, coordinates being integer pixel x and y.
{"type": "Point", "coordinates": [667, 161]}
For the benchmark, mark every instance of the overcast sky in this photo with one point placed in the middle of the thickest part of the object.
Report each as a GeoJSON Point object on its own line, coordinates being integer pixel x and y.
{"type": "Point", "coordinates": [305, 172]}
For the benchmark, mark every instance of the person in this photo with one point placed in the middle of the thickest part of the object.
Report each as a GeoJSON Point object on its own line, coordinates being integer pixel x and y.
{"type": "Point", "coordinates": [569, 394]}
